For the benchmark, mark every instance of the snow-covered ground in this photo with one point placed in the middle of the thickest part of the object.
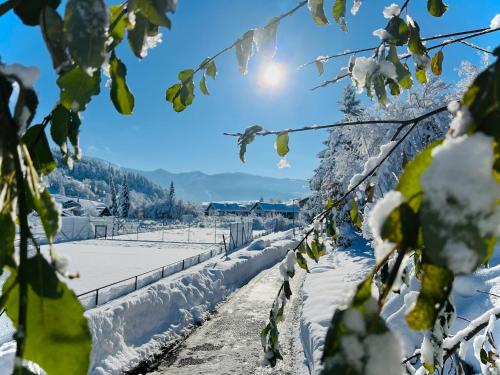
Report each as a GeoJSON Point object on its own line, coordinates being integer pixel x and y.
{"type": "Point", "coordinates": [101, 262]}
{"type": "Point", "coordinates": [327, 287]}
{"type": "Point", "coordinates": [229, 342]}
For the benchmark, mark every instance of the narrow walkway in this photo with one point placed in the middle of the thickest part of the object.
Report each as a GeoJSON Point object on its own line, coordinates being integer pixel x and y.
{"type": "Point", "coordinates": [229, 343]}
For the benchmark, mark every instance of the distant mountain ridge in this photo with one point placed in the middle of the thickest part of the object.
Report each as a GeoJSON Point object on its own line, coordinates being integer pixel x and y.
{"type": "Point", "coordinates": [199, 186]}
{"type": "Point", "coordinates": [90, 179]}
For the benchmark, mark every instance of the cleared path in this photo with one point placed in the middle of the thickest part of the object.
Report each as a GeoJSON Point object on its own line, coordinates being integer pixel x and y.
{"type": "Point", "coordinates": [229, 342]}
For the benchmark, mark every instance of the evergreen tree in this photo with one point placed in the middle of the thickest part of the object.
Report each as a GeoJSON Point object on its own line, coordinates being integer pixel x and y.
{"type": "Point", "coordinates": [171, 200]}
{"type": "Point", "coordinates": [124, 198]}
{"type": "Point", "coordinates": [112, 191]}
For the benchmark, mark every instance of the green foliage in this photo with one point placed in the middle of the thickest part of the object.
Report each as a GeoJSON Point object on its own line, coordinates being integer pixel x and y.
{"type": "Point", "coordinates": [436, 286]}
{"type": "Point", "coordinates": [301, 261]}
{"type": "Point", "coordinates": [409, 181]}
{"type": "Point", "coordinates": [58, 338]}
{"type": "Point", "coordinates": [404, 75]}
{"type": "Point", "coordinates": [282, 144]}
{"type": "Point", "coordinates": [29, 10]}
{"type": "Point", "coordinates": [121, 96]}
{"type": "Point", "coordinates": [399, 31]}
{"type": "Point", "coordinates": [415, 42]}
{"type": "Point", "coordinates": [155, 11]}
{"type": "Point", "coordinates": [436, 7]}
{"type": "Point", "coordinates": [52, 27]}
{"type": "Point", "coordinates": [85, 28]}
{"type": "Point", "coordinates": [77, 88]}
{"type": "Point", "coordinates": [120, 23]}
{"type": "Point", "coordinates": [181, 95]}
{"type": "Point", "coordinates": [355, 215]}
{"type": "Point", "coordinates": [401, 227]}
{"type": "Point", "coordinates": [7, 236]}
{"type": "Point", "coordinates": [339, 13]}
{"type": "Point", "coordinates": [437, 63]}
{"type": "Point", "coordinates": [246, 138]}
{"type": "Point", "coordinates": [318, 12]}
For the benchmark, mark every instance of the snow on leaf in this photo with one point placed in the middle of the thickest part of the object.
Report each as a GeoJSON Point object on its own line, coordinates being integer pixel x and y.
{"type": "Point", "coordinates": [244, 50]}
{"type": "Point", "coordinates": [265, 38]}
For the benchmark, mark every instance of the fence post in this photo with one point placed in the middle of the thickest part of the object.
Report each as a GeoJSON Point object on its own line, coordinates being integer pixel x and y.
{"type": "Point", "coordinates": [97, 297]}
{"type": "Point", "coordinates": [135, 285]}
{"type": "Point", "coordinates": [199, 258]}
{"type": "Point", "coordinates": [163, 272]}
{"type": "Point", "coordinates": [225, 247]}
{"type": "Point", "coordinates": [215, 232]}
{"type": "Point", "coordinates": [183, 264]}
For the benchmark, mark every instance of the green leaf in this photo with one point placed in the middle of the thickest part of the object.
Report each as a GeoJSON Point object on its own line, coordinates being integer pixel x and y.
{"type": "Point", "coordinates": [173, 95]}
{"type": "Point", "coordinates": [436, 7]}
{"type": "Point", "coordinates": [7, 238]}
{"type": "Point", "coordinates": [85, 27]}
{"type": "Point", "coordinates": [312, 253]}
{"type": "Point", "coordinates": [209, 67]}
{"type": "Point", "coordinates": [155, 11]}
{"type": "Point", "coordinates": [401, 227]}
{"type": "Point", "coordinates": [355, 215]}
{"type": "Point", "coordinates": [52, 27]}
{"type": "Point", "coordinates": [415, 43]}
{"type": "Point", "coordinates": [77, 88]}
{"type": "Point", "coordinates": [409, 182]}
{"type": "Point", "coordinates": [39, 149]}
{"type": "Point", "coordinates": [421, 75]}
{"type": "Point", "coordinates": [203, 85]}
{"type": "Point", "coordinates": [265, 38]}
{"type": "Point", "coordinates": [121, 96]}
{"type": "Point", "coordinates": [339, 13]}
{"type": "Point", "coordinates": [48, 211]}
{"type": "Point", "coordinates": [399, 31]}
{"type": "Point", "coordinates": [282, 144]}
{"type": "Point", "coordinates": [57, 336]}
{"type": "Point", "coordinates": [246, 138]}
{"type": "Point", "coordinates": [301, 261]}
{"type": "Point", "coordinates": [436, 286]}
{"type": "Point", "coordinates": [59, 126]}
{"type": "Point", "coordinates": [379, 85]}
{"type": "Point", "coordinates": [404, 75]}
{"type": "Point", "coordinates": [137, 36]}
{"type": "Point", "coordinates": [318, 12]}
{"type": "Point", "coordinates": [29, 10]}
{"type": "Point", "coordinates": [244, 50]}
{"type": "Point", "coordinates": [342, 335]}
{"type": "Point", "coordinates": [120, 22]}
{"type": "Point", "coordinates": [74, 132]}
{"type": "Point", "coordinates": [437, 63]}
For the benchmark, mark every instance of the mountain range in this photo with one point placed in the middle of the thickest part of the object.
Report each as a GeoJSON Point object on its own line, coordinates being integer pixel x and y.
{"type": "Point", "coordinates": [199, 186]}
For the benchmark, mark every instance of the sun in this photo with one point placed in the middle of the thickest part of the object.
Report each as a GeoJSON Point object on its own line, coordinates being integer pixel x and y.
{"type": "Point", "coordinates": [272, 75]}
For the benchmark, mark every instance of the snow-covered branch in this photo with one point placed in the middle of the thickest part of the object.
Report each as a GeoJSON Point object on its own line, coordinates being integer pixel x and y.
{"type": "Point", "coordinates": [367, 49]}
{"type": "Point", "coordinates": [348, 123]}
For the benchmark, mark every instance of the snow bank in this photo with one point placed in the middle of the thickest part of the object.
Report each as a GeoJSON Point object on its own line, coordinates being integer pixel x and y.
{"type": "Point", "coordinates": [326, 288]}
{"type": "Point", "coordinates": [133, 328]}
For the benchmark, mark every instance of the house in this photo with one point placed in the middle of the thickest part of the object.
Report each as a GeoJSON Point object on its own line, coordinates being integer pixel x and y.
{"type": "Point", "coordinates": [81, 207]}
{"type": "Point", "coordinates": [226, 208]}
{"type": "Point", "coordinates": [290, 211]}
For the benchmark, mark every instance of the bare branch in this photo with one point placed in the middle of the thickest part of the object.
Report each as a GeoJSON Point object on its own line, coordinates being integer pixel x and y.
{"type": "Point", "coordinates": [402, 123]}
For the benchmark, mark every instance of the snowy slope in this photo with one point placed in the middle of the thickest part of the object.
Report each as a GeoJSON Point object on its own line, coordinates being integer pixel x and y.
{"type": "Point", "coordinates": [326, 288]}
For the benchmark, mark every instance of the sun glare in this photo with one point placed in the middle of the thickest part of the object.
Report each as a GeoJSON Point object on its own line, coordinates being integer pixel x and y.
{"type": "Point", "coordinates": [272, 75]}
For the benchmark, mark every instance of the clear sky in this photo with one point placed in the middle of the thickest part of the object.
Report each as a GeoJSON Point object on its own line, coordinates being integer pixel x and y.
{"type": "Point", "coordinates": [157, 137]}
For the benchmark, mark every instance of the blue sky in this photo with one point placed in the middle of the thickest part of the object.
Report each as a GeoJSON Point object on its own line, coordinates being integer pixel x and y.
{"type": "Point", "coordinates": [157, 137]}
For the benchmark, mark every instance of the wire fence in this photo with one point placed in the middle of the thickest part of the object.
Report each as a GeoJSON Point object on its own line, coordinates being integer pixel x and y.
{"type": "Point", "coordinates": [240, 235]}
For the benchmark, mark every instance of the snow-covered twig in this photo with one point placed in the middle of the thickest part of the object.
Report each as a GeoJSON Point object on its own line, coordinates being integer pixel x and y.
{"type": "Point", "coordinates": [402, 123]}
{"type": "Point", "coordinates": [354, 52]}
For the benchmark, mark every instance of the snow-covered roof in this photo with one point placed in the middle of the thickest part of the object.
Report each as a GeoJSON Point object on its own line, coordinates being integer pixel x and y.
{"type": "Point", "coordinates": [90, 207]}
{"type": "Point", "coordinates": [277, 207]}
{"type": "Point", "coordinates": [226, 206]}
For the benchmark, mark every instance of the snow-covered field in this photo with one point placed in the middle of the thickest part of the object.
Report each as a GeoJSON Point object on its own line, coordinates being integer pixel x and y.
{"type": "Point", "coordinates": [132, 328]}
{"type": "Point", "coordinates": [195, 234]}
